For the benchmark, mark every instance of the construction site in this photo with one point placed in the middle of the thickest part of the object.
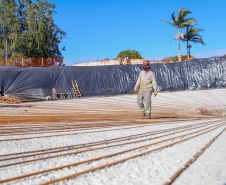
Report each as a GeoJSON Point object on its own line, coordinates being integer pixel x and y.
{"type": "Point", "coordinates": [82, 125]}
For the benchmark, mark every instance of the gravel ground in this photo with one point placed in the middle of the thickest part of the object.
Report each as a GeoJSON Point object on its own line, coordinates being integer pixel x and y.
{"type": "Point", "coordinates": [154, 167]}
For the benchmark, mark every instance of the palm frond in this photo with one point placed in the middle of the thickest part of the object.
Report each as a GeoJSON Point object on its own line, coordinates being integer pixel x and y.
{"type": "Point", "coordinates": [187, 22]}
{"type": "Point", "coordinates": [173, 17]}
{"type": "Point", "coordinates": [183, 12]}
{"type": "Point", "coordinates": [193, 35]}
{"type": "Point", "coordinates": [169, 22]}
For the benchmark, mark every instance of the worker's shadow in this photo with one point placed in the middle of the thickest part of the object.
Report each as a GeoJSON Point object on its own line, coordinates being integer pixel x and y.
{"type": "Point", "coordinates": [15, 106]}
{"type": "Point", "coordinates": [164, 117]}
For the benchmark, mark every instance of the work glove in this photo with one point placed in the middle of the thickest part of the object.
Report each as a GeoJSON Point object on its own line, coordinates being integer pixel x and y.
{"type": "Point", "coordinates": [155, 93]}
{"type": "Point", "coordinates": [134, 90]}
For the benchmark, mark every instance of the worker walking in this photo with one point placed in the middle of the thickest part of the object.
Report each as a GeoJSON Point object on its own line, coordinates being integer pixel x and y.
{"type": "Point", "coordinates": [145, 82]}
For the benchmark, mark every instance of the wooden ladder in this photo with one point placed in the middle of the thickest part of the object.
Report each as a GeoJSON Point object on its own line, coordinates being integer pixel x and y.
{"type": "Point", "coordinates": [77, 91]}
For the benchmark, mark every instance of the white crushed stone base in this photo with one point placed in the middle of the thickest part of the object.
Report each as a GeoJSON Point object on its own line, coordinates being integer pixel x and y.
{"type": "Point", "coordinates": [151, 169]}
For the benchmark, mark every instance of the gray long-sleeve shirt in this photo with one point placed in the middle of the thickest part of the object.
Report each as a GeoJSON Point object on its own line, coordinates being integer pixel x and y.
{"type": "Point", "coordinates": [146, 81]}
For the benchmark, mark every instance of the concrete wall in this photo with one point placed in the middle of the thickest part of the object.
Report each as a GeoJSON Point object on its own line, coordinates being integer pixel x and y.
{"type": "Point", "coordinates": [112, 62]}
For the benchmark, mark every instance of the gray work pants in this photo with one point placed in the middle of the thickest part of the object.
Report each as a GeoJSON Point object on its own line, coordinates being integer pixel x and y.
{"type": "Point", "coordinates": [144, 97]}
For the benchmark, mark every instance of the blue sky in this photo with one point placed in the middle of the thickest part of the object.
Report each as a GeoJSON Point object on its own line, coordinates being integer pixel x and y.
{"type": "Point", "coordinates": [103, 28]}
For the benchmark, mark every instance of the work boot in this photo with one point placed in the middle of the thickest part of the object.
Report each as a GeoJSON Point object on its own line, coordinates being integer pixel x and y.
{"type": "Point", "coordinates": [149, 116]}
{"type": "Point", "coordinates": [143, 115]}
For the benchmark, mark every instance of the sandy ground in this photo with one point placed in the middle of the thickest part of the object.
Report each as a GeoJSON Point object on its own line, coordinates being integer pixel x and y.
{"type": "Point", "coordinates": [44, 125]}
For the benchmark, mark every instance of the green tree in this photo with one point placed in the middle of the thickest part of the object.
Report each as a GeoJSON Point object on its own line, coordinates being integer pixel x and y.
{"type": "Point", "coordinates": [180, 22]}
{"type": "Point", "coordinates": [21, 44]}
{"type": "Point", "coordinates": [9, 28]}
{"type": "Point", "coordinates": [129, 54]}
{"type": "Point", "coordinates": [42, 36]}
{"type": "Point", "coordinates": [192, 35]}
{"type": "Point", "coordinates": [28, 30]}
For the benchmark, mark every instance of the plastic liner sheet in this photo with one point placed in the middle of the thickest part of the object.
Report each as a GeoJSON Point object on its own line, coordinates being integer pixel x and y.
{"type": "Point", "coordinates": [37, 82]}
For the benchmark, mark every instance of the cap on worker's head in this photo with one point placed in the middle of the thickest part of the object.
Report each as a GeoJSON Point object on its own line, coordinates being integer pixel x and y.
{"type": "Point", "coordinates": [146, 62]}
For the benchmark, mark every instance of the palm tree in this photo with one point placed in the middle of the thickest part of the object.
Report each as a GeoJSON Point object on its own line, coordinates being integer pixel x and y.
{"type": "Point", "coordinates": [180, 22]}
{"type": "Point", "coordinates": [192, 35]}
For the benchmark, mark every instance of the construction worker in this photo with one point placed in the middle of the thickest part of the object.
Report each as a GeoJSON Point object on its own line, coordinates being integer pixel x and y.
{"type": "Point", "coordinates": [145, 82]}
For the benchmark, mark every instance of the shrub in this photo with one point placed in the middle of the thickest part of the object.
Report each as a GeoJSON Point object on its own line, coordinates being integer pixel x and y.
{"type": "Point", "coordinates": [131, 54]}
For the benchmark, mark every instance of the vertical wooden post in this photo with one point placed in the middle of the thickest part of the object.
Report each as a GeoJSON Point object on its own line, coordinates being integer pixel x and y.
{"type": "Point", "coordinates": [197, 55]}
{"type": "Point", "coordinates": [42, 62]}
